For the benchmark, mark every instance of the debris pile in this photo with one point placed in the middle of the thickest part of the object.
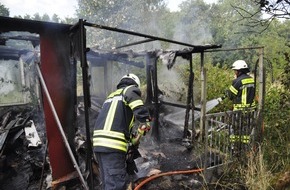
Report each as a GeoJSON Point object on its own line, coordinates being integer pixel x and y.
{"type": "Point", "coordinates": [25, 164]}
{"type": "Point", "coordinates": [168, 164]}
{"type": "Point", "coordinates": [22, 150]}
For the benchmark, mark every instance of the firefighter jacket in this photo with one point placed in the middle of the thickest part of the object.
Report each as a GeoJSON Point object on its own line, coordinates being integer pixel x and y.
{"type": "Point", "coordinates": [115, 120]}
{"type": "Point", "coordinates": [242, 92]}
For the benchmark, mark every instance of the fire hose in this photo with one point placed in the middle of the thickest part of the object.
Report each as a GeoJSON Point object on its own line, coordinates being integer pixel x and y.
{"type": "Point", "coordinates": [60, 128]}
{"type": "Point", "coordinates": [165, 174]}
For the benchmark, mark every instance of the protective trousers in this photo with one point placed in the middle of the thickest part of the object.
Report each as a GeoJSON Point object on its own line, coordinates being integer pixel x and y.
{"type": "Point", "coordinates": [112, 170]}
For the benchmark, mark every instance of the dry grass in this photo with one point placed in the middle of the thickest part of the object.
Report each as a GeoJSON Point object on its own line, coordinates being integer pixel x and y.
{"type": "Point", "coordinates": [251, 174]}
{"type": "Point", "coordinates": [256, 174]}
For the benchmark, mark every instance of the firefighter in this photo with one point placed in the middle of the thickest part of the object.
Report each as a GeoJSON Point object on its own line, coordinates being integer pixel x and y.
{"type": "Point", "coordinates": [113, 128]}
{"type": "Point", "coordinates": [242, 93]}
{"type": "Point", "coordinates": [242, 90]}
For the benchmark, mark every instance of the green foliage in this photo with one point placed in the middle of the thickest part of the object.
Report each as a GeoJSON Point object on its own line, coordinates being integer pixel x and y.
{"type": "Point", "coordinates": [192, 25]}
{"type": "Point", "coordinates": [55, 18]}
{"type": "Point", "coordinates": [219, 78]}
{"type": "Point", "coordinates": [3, 10]}
{"type": "Point", "coordinates": [45, 17]}
{"type": "Point", "coordinates": [277, 134]}
{"type": "Point", "coordinates": [286, 76]}
{"type": "Point", "coordinates": [232, 31]}
{"type": "Point", "coordinates": [277, 47]}
{"type": "Point", "coordinates": [37, 16]}
{"type": "Point", "coordinates": [139, 16]}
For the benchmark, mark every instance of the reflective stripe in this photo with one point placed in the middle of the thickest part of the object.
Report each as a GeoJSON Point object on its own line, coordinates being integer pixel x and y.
{"type": "Point", "coordinates": [247, 86]}
{"type": "Point", "coordinates": [244, 96]}
{"type": "Point", "coordinates": [117, 92]}
{"type": "Point", "coordinates": [109, 134]}
{"type": "Point", "coordinates": [132, 105]}
{"type": "Point", "coordinates": [110, 143]}
{"type": "Point", "coordinates": [110, 139]}
{"type": "Point", "coordinates": [124, 92]}
{"type": "Point", "coordinates": [244, 106]}
{"type": "Point", "coordinates": [115, 98]}
{"type": "Point", "coordinates": [135, 104]}
{"type": "Point", "coordinates": [233, 90]}
{"type": "Point", "coordinates": [240, 138]}
{"type": "Point", "coordinates": [247, 81]}
{"type": "Point", "coordinates": [131, 123]}
{"type": "Point", "coordinates": [110, 116]}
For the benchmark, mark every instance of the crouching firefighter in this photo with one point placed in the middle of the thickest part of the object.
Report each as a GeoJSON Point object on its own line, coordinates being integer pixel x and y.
{"type": "Point", "coordinates": [112, 132]}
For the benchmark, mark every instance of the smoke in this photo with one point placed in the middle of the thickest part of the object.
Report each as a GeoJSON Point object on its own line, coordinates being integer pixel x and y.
{"type": "Point", "coordinates": [171, 82]}
{"type": "Point", "coordinates": [195, 34]}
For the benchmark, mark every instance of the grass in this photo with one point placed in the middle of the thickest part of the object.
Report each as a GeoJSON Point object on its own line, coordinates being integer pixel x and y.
{"type": "Point", "coordinates": [250, 174]}
{"type": "Point", "coordinates": [256, 174]}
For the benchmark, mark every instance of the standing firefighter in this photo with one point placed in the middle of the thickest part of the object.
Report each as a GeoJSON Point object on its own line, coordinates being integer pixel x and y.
{"type": "Point", "coordinates": [112, 132]}
{"type": "Point", "coordinates": [242, 90]}
{"type": "Point", "coordinates": [242, 93]}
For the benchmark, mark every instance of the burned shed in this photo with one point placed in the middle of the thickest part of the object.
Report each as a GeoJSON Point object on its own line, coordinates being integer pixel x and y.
{"type": "Point", "coordinates": [65, 83]}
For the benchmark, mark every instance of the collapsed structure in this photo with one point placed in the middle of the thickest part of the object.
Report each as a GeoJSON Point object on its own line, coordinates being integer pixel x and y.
{"type": "Point", "coordinates": [43, 94]}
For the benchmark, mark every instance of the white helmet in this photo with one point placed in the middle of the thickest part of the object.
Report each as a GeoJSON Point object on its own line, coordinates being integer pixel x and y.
{"type": "Point", "coordinates": [134, 77]}
{"type": "Point", "coordinates": [239, 64]}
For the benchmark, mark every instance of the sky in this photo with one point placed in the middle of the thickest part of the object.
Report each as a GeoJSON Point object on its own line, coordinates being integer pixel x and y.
{"type": "Point", "coordinates": [63, 8]}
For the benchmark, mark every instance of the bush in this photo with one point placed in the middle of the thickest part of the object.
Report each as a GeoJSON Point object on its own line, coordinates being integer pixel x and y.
{"type": "Point", "coordinates": [276, 141]}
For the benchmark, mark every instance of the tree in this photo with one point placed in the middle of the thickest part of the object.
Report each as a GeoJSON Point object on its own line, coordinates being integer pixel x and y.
{"type": "Point", "coordinates": [45, 17]}
{"type": "Point", "coordinates": [275, 8]}
{"type": "Point", "coordinates": [229, 29]}
{"type": "Point", "coordinates": [55, 18]}
{"type": "Point", "coordinates": [36, 16]}
{"type": "Point", "coordinates": [193, 24]}
{"type": "Point", "coordinates": [270, 9]}
{"type": "Point", "coordinates": [139, 16]}
{"type": "Point", "coordinates": [27, 16]}
{"type": "Point", "coordinates": [3, 10]}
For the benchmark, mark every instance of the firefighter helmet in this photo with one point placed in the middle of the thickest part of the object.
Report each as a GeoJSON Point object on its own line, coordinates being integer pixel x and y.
{"type": "Point", "coordinates": [240, 64]}
{"type": "Point", "coordinates": [133, 77]}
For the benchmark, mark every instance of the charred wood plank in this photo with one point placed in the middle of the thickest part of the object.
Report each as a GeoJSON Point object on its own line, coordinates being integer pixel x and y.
{"type": "Point", "coordinates": [4, 135]}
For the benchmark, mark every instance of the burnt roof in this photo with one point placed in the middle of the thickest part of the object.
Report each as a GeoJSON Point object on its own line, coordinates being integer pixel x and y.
{"type": "Point", "coordinates": [17, 24]}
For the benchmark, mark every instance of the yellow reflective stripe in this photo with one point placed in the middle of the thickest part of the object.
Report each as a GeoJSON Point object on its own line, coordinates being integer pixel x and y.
{"type": "Point", "coordinates": [247, 81]}
{"type": "Point", "coordinates": [117, 92]}
{"type": "Point", "coordinates": [135, 104]}
{"type": "Point", "coordinates": [233, 90]}
{"type": "Point", "coordinates": [109, 134]}
{"type": "Point", "coordinates": [132, 122]}
{"type": "Point", "coordinates": [115, 98]}
{"type": "Point", "coordinates": [127, 89]}
{"type": "Point", "coordinates": [124, 92]}
{"type": "Point", "coordinates": [110, 143]}
{"type": "Point", "coordinates": [238, 138]}
{"type": "Point", "coordinates": [244, 96]}
{"type": "Point", "coordinates": [243, 106]}
{"type": "Point", "coordinates": [110, 116]}
{"type": "Point", "coordinates": [132, 105]}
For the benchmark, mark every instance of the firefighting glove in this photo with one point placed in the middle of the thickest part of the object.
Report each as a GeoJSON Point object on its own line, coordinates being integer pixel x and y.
{"type": "Point", "coordinates": [135, 141]}
{"type": "Point", "coordinates": [143, 128]}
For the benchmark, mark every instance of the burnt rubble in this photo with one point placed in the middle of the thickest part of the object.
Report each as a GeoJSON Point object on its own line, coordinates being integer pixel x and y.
{"type": "Point", "coordinates": [22, 160]}
{"type": "Point", "coordinates": [168, 154]}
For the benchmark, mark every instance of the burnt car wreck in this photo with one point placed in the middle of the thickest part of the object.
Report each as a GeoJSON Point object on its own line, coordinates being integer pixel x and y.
{"type": "Point", "coordinates": [52, 90]}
